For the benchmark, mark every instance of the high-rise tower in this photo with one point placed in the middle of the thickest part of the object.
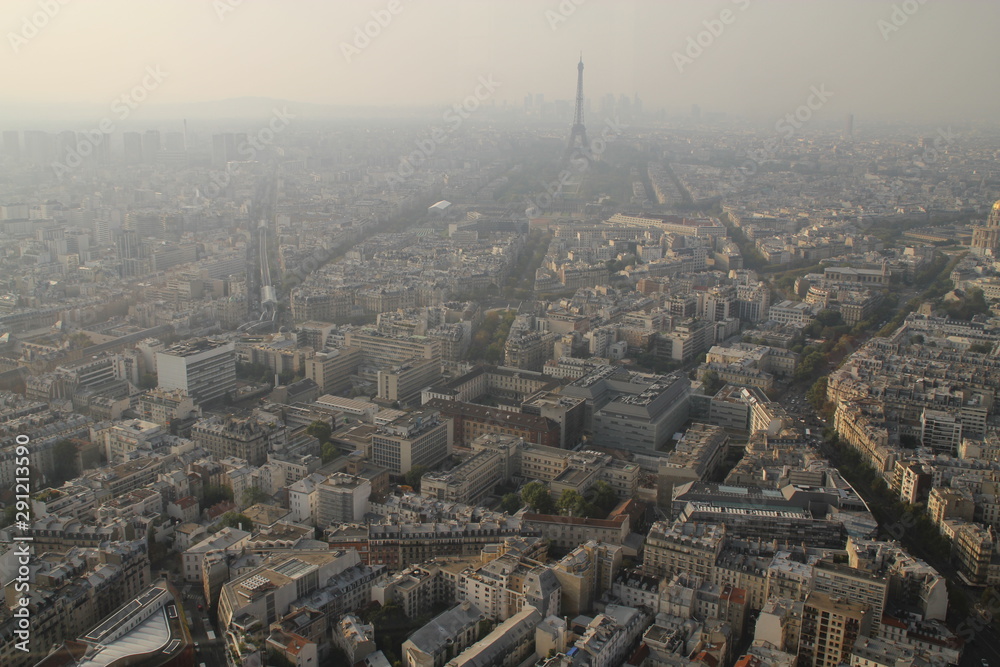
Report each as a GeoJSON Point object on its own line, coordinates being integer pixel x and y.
{"type": "Point", "coordinates": [578, 130]}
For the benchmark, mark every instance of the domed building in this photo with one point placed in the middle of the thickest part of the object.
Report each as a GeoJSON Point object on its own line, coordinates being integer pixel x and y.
{"type": "Point", "coordinates": [986, 240]}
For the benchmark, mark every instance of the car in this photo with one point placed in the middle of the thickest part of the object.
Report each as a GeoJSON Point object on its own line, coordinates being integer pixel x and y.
{"type": "Point", "coordinates": [201, 607]}
{"type": "Point", "coordinates": [984, 662]}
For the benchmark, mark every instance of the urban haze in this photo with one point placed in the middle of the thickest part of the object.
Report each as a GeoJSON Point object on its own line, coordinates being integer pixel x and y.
{"type": "Point", "coordinates": [514, 333]}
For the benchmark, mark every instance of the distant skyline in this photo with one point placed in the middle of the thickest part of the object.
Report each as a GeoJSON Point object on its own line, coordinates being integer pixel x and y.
{"type": "Point", "coordinates": [906, 61]}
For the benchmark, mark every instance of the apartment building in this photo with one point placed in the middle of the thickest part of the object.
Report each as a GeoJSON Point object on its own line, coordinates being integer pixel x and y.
{"type": "Point", "coordinates": [830, 627]}
{"type": "Point", "coordinates": [164, 406]}
{"type": "Point", "coordinates": [507, 646]}
{"type": "Point", "coordinates": [682, 547]}
{"type": "Point", "coordinates": [240, 437]}
{"type": "Point", "coordinates": [444, 637]}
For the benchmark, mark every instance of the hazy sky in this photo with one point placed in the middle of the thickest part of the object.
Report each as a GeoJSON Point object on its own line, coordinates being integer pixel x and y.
{"type": "Point", "coordinates": [941, 62]}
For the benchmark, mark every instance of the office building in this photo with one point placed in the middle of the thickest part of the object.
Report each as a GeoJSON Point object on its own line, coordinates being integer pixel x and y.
{"type": "Point", "coordinates": [417, 438]}
{"type": "Point", "coordinates": [404, 383]}
{"type": "Point", "coordinates": [342, 498]}
{"type": "Point", "coordinates": [633, 411]}
{"type": "Point", "coordinates": [382, 352]}
{"type": "Point", "coordinates": [332, 369]}
{"type": "Point", "coordinates": [202, 367]}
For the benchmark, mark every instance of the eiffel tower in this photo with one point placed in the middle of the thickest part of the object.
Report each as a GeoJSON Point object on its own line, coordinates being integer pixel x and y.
{"type": "Point", "coordinates": [578, 131]}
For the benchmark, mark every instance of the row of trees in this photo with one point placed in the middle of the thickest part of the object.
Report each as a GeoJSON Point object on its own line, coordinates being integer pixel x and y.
{"type": "Point", "coordinates": [521, 283]}
{"type": "Point", "coordinates": [752, 258]}
{"type": "Point", "coordinates": [920, 534]}
{"type": "Point", "coordinates": [488, 341]}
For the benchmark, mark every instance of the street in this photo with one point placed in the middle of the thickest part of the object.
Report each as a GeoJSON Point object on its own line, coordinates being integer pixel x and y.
{"type": "Point", "coordinates": [982, 646]}
{"type": "Point", "coordinates": [209, 651]}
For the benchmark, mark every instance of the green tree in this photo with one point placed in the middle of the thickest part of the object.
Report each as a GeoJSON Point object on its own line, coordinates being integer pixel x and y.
{"type": "Point", "coordinates": [817, 393]}
{"type": "Point", "coordinates": [9, 514]}
{"type": "Point", "coordinates": [413, 476]}
{"type": "Point", "coordinates": [810, 366]}
{"type": "Point", "coordinates": [215, 493]}
{"type": "Point", "coordinates": [80, 339]}
{"type": "Point", "coordinates": [712, 383]}
{"type": "Point", "coordinates": [571, 503]}
{"type": "Point", "coordinates": [536, 496]}
{"type": "Point", "coordinates": [510, 503]}
{"type": "Point", "coordinates": [329, 452]}
{"type": "Point", "coordinates": [253, 495]}
{"type": "Point", "coordinates": [236, 520]}
{"type": "Point", "coordinates": [320, 430]}
{"type": "Point", "coordinates": [970, 305]}
{"type": "Point", "coordinates": [829, 318]}
{"type": "Point", "coordinates": [604, 496]}
{"type": "Point", "coordinates": [981, 348]}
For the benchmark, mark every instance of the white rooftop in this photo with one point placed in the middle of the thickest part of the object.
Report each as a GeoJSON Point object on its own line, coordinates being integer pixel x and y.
{"type": "Point", "coordinates": [151, 635]}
